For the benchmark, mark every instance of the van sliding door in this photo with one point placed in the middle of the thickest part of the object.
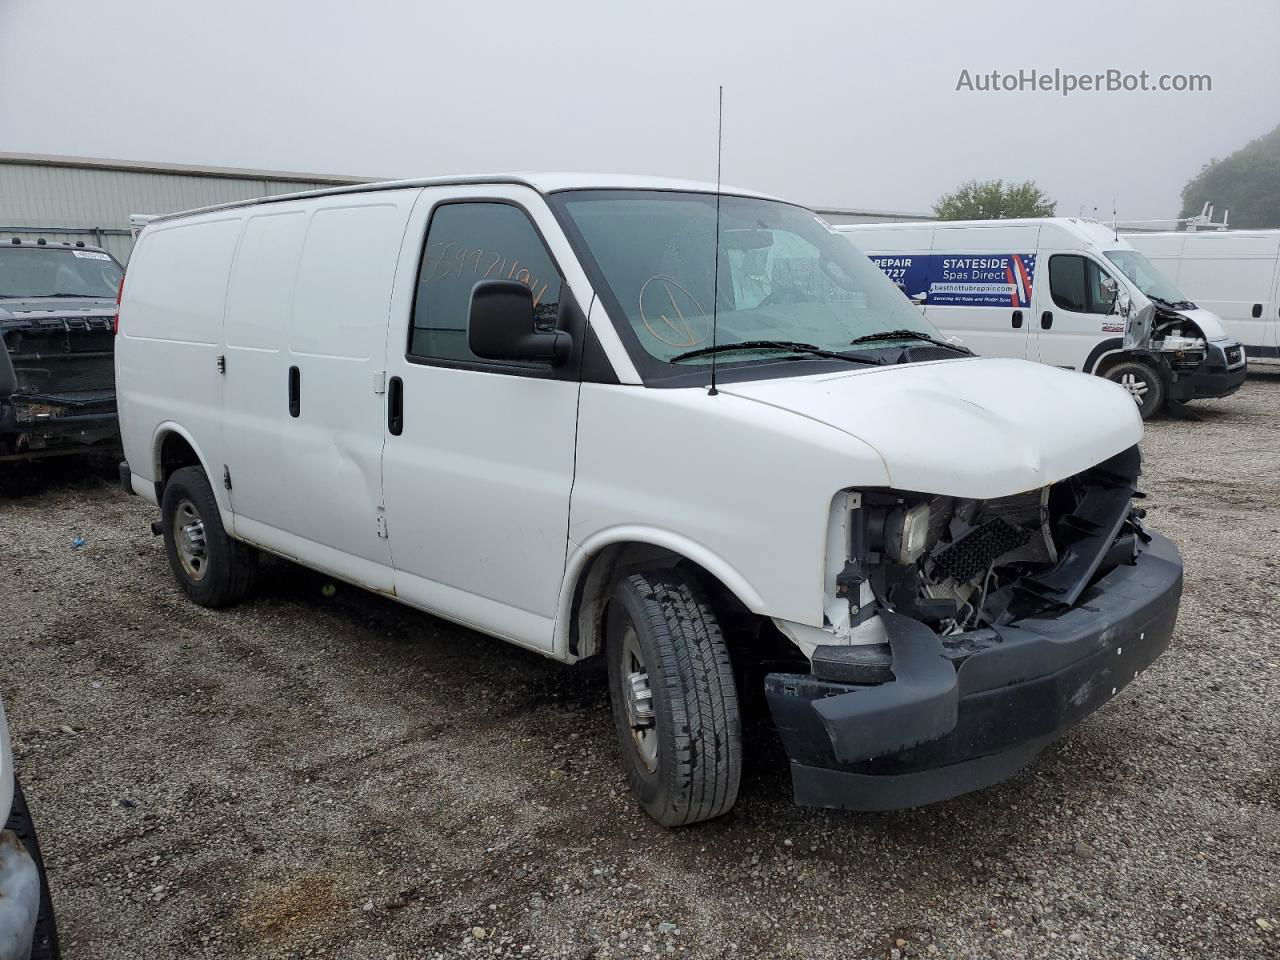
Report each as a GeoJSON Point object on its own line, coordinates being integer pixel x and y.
{"type": "Point", "coordinates": [306, 335]}
{"type": "Point", "coordinates": [981, 284]}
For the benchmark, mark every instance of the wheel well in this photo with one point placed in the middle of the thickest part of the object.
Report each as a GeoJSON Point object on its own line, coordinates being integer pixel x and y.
{"type": "Point", "coordinates": [175, 453]}
{"type": "Point", "coordinates": [1110, 360]}
{"type": "Point", "coordinates": [595, 585]}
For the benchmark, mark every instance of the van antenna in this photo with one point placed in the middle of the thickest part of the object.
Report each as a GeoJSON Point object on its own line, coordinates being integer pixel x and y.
{"type": "Point", "coordinates": [715, 282]}
{"type": "Point", "coordinates": [1115, 224]}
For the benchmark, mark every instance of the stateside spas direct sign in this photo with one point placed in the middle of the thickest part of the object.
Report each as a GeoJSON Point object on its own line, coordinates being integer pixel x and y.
{"type": "Point", "coordinates": [963, 280]}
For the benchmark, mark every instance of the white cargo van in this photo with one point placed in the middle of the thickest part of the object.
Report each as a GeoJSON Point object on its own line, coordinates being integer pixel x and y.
{"type": "Point", "coordinates": [695, 433]}
{"type": "Point", "coordinates": [1234, 273]}
{"type": "Point", "coordinates": [1065, 292]}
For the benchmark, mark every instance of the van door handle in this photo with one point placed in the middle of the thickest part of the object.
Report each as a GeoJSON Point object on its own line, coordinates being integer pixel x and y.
{"type": "Point", "coordinates": [1257, 310]}
{"type": "Point", "coordinates": [395, 406]}
{"type": "Point", "coordinates": [1017, 319]}
{"type": "Point", "coordinates": [1046, 320]}
{"type": "Point", "coordinates": [295, 392]}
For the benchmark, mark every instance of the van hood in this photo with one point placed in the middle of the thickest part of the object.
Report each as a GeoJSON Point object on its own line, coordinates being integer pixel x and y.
{"type": "Point", "coordinates": [1210, 323]}
{"type": "Point", "coordinates": [976, 428]}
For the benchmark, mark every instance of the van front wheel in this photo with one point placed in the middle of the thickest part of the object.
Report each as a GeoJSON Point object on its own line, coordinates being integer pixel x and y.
{"type": "Point", "coordinates": [675, 704]}
{"type": "Point", "coordinates": [1142, 383]}
{"type": "Point", "coordinates": [211, 568]}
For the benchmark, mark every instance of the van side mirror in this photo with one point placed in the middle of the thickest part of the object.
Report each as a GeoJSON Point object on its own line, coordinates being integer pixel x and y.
{"type": "Point", "coordinates": [1109, 290]}
{"type": "Point", "coordinates": [500, 326]}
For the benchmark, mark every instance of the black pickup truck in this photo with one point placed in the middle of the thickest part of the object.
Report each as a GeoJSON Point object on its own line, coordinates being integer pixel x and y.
{"type": "Point", "coordinates": [57, 371]}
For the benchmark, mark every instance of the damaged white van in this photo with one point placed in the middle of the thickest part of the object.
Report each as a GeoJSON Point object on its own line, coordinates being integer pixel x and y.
{"type": "Point", "coordinates": [1064, 291]}
{"type": "Point", "coordinates": [695, 433]}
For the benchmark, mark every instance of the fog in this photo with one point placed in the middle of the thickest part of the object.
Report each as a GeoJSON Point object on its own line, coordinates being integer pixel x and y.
{"type": "Point", "coordinates": [831, 104]}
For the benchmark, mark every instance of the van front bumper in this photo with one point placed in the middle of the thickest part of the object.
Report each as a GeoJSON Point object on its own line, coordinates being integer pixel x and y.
{"type": "Point", "coordinates": [34, 427]}
{"type": "Point", "coordinates": [970, 711]}
{"type": "Point", "coordinates": [1219, 375]}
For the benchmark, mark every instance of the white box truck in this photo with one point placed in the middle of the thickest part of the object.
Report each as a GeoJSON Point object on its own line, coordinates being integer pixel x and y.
{"type": "Point", "coordinates": [691, 431]}
{"type": "Point", "coordinates": [1065, 292]}
{"type": "Point", "coordinates": [1234, 273]}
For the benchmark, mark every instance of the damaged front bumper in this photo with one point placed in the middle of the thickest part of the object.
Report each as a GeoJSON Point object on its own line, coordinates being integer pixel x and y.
{"type": "Point", "coordinates": [959, 713]}
{"type": "Point", "coordinates": [32, 427]}
{"type": "Point", "coordinates": [1221, 374]}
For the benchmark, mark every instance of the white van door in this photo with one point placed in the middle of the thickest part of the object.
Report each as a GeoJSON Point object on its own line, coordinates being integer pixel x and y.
{"type": "Point", "coordinates": [981, 283]}
{"type": "Point", "coordinates": [256, 427]}
{"type": "Point", "coordinates": [1271, 330]}
{"type": "Point", "coordinates": [1073, 310]}
{"type": "Point", "coordinates": [480, 455]}
{"type": "Point", "coordinates": [306, 335]}
{"type": "Point", "coordinates": [1234, 276]}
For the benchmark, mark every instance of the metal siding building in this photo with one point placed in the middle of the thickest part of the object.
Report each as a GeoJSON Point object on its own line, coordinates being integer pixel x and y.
{"type": "Point", "coordinates": [65, 199]}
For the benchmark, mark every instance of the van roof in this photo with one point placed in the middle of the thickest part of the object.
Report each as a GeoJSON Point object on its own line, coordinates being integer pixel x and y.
{"type": "Point", "coordinates": [543, 183]}
{"type": "Point", "coordinates": [1054, 231]}
{"type": "Point", "coordinates": [1084, 222]}
{"type": "Point", "coordinates": [1264, 232]}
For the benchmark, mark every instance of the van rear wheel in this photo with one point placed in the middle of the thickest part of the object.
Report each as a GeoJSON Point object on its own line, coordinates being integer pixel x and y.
{"type": "Point", "coordinates": [1142, 383]}
{"type": "Point", "coordinates": [210, 567]}
{"type": "Point", "coordinates": [675, 703]}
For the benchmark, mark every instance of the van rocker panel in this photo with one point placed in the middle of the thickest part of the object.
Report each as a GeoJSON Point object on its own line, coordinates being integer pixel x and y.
{"type": "Point", "coordinates": [1016, 688]}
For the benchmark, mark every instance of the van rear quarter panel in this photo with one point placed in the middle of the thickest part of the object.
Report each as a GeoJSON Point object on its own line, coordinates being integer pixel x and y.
{"type": "Point", "coordinates": [170, 337]}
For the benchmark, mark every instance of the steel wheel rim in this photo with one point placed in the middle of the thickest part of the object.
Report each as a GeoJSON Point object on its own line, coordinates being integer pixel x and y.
{"type": "Point", "coordinates": [1137, 387]}
{"type": "Point", "coordinates": [188, 537]}
{"type": "Point", "coordinates": [637, 697]}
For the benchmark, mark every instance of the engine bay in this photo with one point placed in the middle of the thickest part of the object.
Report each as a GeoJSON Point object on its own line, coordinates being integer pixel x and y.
{"type": "Point", "coordinates": [958, 564]}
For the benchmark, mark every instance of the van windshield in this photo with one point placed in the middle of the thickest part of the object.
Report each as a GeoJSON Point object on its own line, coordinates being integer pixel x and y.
{"type": "Point", "coordinates": [1147, 278]}
{"type": "Point", "coordinates": [784, 280]}
{"type": "Point", "coordinates": [53, 272]}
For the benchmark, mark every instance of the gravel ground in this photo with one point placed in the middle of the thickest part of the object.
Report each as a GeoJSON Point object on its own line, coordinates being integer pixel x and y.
{"type": "Point", "coordinates": [309, 775]}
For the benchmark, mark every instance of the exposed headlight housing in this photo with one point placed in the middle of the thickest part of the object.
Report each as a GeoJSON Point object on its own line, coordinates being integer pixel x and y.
{"type": "Point", "coordinates": [906, 533]}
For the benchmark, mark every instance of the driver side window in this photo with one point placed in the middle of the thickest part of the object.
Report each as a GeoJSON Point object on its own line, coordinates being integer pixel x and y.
{"type": "Point", "coordinates": [1076, 283]}
{"type": "Point", "coordinates": [467, 242]}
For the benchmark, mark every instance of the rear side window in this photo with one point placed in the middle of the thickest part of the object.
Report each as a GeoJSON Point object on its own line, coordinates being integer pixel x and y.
{"type": "Point", "coordinates": [467, 243]}
{"type": "Point", "coordinates": [1076, 284]}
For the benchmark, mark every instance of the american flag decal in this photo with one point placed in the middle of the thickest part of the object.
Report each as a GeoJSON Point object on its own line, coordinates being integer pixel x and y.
{"type": "Point", "coordinates": [1024, 268]}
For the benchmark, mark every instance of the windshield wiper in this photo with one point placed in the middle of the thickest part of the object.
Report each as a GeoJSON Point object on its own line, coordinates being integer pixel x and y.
{"type": "Point", "coordinates": [906, 335]}
{"type": "Point", "coordinates": [1172, 304]}
{"type": "Point", "coordinates": [807, 349]}
{"type": "Point", "coordinates": [75, 296]}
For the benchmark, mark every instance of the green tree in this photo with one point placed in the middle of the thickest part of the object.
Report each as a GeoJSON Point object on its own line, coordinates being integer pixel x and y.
{"type": "Point", "coordinates": [1247, 183]}
{"type": "Point", "coordinates": [994, 200]}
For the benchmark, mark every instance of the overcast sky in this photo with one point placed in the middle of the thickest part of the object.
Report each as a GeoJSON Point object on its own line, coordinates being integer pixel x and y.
{"type": "Point", "coordinates": [844, 104]}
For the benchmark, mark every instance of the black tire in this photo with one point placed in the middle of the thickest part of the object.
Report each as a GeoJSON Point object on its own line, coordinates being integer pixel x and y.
{"type": "Point", "coordinates": [44, 944]}
{"type": "Point", "coordinates": [228, 568]}
{"type": "Point", "coordinates": [1143, 383]}
{"type": "Point", "coordinates": [693, 763]}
